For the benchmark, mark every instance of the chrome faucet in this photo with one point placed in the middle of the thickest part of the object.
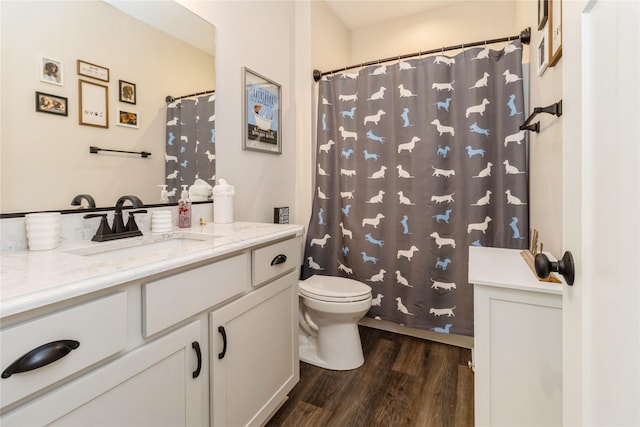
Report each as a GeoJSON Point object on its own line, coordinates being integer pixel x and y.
{"type": "Point", "coordinates": [118, 231]}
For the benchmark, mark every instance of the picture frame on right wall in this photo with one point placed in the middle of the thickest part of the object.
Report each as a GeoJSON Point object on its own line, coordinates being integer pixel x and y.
{"type": "Point", "coordinates": [543, 13]}
{"type": "Point", "coordinates": [542, 54]}
{"type": "Point", "coordinates": [555, 31]}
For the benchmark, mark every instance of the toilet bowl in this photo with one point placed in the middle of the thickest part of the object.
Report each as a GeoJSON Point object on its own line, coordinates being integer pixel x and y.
{"type": "Point", "coordinates": [330, 308]}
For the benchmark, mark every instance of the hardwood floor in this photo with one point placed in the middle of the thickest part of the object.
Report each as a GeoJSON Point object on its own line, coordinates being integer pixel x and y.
{"type": "Point", "coordinates": [405, 381]}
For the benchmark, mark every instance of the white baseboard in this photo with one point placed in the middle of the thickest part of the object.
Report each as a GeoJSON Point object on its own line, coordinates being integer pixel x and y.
{"type": "Point", "coordinates": [450, 339]}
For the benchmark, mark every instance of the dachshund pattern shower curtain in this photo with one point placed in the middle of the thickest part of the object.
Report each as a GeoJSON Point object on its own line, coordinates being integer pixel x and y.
{"type": "Point", "coordinates": [416, 161]}
{"type": "Point", "coordinates": [190, 150]}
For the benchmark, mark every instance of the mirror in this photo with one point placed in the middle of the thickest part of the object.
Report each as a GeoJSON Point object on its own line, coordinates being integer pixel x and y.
{"type": "Point", "coordinates": [45, 155]}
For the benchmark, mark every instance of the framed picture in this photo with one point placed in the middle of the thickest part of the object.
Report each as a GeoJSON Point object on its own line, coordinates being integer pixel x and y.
{"type": "Point", "coordinates": [94, 104]}
{"type": "Point", "coordinates": [52, 104]}
{"type": "Point", "coordinates": [543, 13]}
{"type": "Point", "coordinates": [261, 112]}
{"type": "Point", "coordinates": [130, 119]}
{"type": "Point", "coordinates": [127, 92]}
{"type": "Point", "coordinates": [94, 71]}
{"type": "Point", "coordinates": [51, 71]}
{"type": "Point", "coordinates": [543, 61]}
{"type": "Point", "coordinates": [555, 31]}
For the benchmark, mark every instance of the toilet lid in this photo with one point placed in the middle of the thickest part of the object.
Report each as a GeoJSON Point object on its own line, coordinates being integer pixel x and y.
{"type": "Point", "coordinates": [330, 288]}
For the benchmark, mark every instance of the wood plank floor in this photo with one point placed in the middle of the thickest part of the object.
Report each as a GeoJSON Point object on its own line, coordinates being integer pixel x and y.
{"type": "Point", "coordinates": [405, 381]}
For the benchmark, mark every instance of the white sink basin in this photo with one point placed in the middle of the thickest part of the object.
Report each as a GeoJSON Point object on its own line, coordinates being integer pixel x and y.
{"type": "Point", "coordinates": [142, 246]}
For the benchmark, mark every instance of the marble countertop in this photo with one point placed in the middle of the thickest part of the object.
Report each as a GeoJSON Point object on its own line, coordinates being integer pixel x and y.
{"type": "Point", "coordinates": [506, 268]}
{"type": "Point", "coordinates": [33, 279]}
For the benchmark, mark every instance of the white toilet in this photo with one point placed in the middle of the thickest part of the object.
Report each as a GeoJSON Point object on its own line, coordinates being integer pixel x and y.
{"type": "Point", "coordinates": [330, 308]}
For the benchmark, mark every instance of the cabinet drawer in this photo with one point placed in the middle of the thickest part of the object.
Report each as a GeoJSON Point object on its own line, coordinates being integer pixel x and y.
{"type": "Point", "coordinates": [268, 262]}
{"type": "Point", "coordinates": [172, 299]}
{"type": "Point", "coordinates": [99, 326]}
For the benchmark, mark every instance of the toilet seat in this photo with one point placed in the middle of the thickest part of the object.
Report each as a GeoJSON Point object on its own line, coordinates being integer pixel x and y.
{"type": "Point", "coordinates": [334, 289]}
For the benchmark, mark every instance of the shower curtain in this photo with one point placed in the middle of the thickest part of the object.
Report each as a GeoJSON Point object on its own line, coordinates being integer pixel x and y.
{"type": "Point", "coordinates": [416, 161]}
{"type": "Point", "coordinates": [190, 149]}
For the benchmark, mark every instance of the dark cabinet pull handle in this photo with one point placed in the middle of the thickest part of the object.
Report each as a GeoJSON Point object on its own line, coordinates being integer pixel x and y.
{"type": "Point", "coordinates": [224, 342]}
{"type": "Point", "coordinates": [280, 259]}
{"type": "Point", "coordinates": [196, 346]}
{"type": "Point", "coordinates": [41, 356]}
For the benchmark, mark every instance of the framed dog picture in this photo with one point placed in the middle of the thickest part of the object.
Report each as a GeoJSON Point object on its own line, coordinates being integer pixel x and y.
{"type": "Point", "coordinates": [51, 71]}
{"type": "Point", "coordinates": [261, 113]}
{"type": "Point", "coordinates": [128, 119]}
{"type": "Point", "coordinates": [127, 92]}
{"type": "Point", "coordinates": [52, 104]}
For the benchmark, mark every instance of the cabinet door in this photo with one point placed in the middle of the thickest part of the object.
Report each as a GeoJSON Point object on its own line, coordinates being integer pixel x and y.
{"type": "Point", "coordinates": [257, 365]}
{"type": "Point", "coordinates": [518, 357]}
{"type": "Point", "coordinates": [150, 386]}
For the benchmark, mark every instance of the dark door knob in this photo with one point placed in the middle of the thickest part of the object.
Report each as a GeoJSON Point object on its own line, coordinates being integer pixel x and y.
{"type": "Point", "coordinates": [565, 266]}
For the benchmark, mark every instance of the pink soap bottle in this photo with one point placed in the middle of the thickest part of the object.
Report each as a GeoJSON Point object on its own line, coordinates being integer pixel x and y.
{"type": "Point", "coordinates": [184, 209]}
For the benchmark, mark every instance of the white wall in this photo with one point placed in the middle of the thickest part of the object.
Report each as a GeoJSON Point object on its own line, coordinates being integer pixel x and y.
{"type": "Point", "coordinates": [447, 26]}
{"type": "Point", "coordinates": [545, 148]}
{"type": "Point", "coordinates": [258, 35]}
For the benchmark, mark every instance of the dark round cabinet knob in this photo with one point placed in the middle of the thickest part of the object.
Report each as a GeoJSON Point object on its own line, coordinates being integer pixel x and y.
{"type": "Point", "coordinates": [565, 266]}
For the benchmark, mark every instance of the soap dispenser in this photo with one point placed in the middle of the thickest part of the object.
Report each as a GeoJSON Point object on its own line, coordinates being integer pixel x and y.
{"type": "Point", "coordinates": [164, 194]}
{"type": "Point", "coordinates": [184, 209]}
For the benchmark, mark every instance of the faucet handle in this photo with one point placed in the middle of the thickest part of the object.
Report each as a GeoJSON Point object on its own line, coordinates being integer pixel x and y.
{"type": "Point", "coordinates": [131, 222]}
{"type": "Point", "coordinates": [103, 229]}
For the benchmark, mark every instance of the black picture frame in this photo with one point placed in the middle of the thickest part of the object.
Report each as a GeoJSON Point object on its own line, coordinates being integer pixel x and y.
{"type": "Point", "coordinates": [126, 92]}
{"type": "Point", "coordinates": [543, 13]}
{"type": "Point", "coordinates": [52, 104]}
{"type": "Point", "coordinates": [261, 111]}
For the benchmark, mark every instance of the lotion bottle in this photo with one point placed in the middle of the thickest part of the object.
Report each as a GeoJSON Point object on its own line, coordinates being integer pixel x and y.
{"type": "Point", "coordinates": [184, 209]}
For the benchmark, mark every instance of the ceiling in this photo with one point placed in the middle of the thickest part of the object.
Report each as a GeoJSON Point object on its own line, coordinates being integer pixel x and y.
{"type": "Point", "coordinates": [355, 14]}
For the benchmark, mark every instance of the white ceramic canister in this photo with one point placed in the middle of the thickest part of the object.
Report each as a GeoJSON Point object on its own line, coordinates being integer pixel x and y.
{"type": "Point", "coordinates": [43, 230]}
{"type": "Point", "coordinates": [161, 221]}
{"type": "Point", "coordinates": [223, 202]}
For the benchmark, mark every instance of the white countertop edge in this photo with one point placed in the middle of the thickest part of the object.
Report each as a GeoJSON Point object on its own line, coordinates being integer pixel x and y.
{"type": "Point", "coordinates": [40, 298]}
{"type": "Point", "coordinates": [505, 268]}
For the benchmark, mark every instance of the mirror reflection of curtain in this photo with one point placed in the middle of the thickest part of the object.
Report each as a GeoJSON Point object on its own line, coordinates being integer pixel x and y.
{"type": "Point", "coordinates": [190, 146]}
{"type": "Point", "coordinates": [416, 161]}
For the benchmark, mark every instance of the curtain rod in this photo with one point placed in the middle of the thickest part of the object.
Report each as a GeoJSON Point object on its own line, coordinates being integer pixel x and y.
{"type": "Point", "coordinates": [524, 36]}
{"type": "Point", "coordinates": [170, 98]}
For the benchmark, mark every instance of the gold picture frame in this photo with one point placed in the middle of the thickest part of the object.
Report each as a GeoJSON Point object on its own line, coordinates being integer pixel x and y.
{"type": "Point", "coordinates": [555, 31]}
{"type": "Point", "coordinates": [93, 108]}
{"type": "Point", "coordinates": [93, 71]}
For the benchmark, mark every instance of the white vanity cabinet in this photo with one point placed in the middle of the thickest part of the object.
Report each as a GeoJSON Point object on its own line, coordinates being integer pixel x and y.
{"type": "Point", "coordinates": [148, 352]}
{"type": "Point", "coordinates": [153, 385]}
{"type": "Point", "coordinates": [254, 349]}
{"type": "Point", "coordinates": [517, 342]}
{"type": "Point", "coordinates": [254, 345]}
